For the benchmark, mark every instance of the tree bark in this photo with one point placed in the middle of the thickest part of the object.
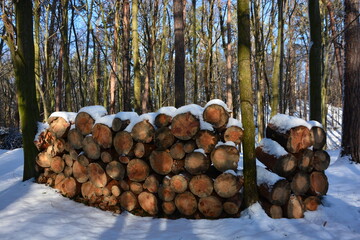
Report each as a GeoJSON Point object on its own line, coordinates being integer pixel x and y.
{"type": "Point", "coordinates": [315, 61]}
{"type": "Point", "coordinates": [126, 57]}
{"type": "Point", "coordinates": [23, 61]}
{"type": "Point", "coordinates": [246, 99]}
{"type": "Point", "coordinates": [351, 125]}
{"type": "Point", "coordinates": [179, 54]}
{"type": "Point", "coordinates": [136, 56]}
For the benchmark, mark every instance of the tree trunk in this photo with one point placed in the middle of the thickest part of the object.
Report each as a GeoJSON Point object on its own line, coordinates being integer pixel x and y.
{"type": "Point", "coordinates": [126, 57]}
{"type": "Point", "coordinates": [350, 136]}
{"type": "Point", "coordinates": [179, 54]}
{"type": "Point", "coordinates": [136, 56]}
{"type": "Point", "coordinates": [315, 61]}
{"type": "Point", "coordinates": [23, 60]}
{"type": "Point", "coordinates": [246, 98]}
{"type": "Point", "coordinates": [276, 83]}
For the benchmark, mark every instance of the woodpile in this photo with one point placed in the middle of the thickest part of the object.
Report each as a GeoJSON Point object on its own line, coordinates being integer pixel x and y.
{"type": "Point", "coordinates": [293, 155]}
{"type": "Point", "coordinates": [172, 163]}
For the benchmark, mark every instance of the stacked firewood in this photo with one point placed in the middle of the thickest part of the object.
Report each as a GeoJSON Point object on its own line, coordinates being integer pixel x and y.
{"type": "Point", "coordinates": [293, 151]}
{"type": "Point", "coordinates": [172, 163]}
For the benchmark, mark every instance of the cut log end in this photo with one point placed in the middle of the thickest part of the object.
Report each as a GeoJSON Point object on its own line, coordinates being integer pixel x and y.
{"type": "Point", "coordinates": [123, 143]}
{"type": "Point", "coordinates": [161, 162]}
{"type": "Point", "coordinates": [84, 123]}
{"type": "Point", "coordinates": [184, 126]}
{"type": "Point", "coordinates": [143, 132]}
{"type": "Point", "coordinates": [196, 163]}
{"type": "Point", "coordinates": [186, 203]}
{"type": "Point", "coordinates": [227, 185]}
{"type": "Point", "coordinates": [137, 170]}
{"type": "Point", "coordinates": [216, 115]}
{"type": "Point", "coordinates": [225, 157]}
{"type": "Point", "coordinates": [210, 207]}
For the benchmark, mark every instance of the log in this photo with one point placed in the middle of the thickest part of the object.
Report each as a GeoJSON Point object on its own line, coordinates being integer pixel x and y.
{"type": "Point", "coordinates": [151, 184]}
{"type": "Point", "coordinates": [115, 170]}
{"type": "Point", "coordinates": [75, 138]}
{"type": "Point", "coordinates": [123, 143]}
{"type": "Point", "coordinates": [124, 185]}
{"type": "Point", "coordinates": [284, 165]}
{"type": "Point", "coordinates": [189, 146]}
{"type": "Point", "coordinates": [164, 138]}
{"type": "Point", "coordinates": [312, 203]}
{"type": "Point", "coordinates": [91, 148]}
{"type": "Point", "coordinates": [90, 191]}
{"type": "Point", "coordinates": [216, 115]}
{"type": "Point", "coordinates": [206, 140]}
{"type": "Point", "coordinates": [233, 134]}
{"type": "Point", "coordinates": [305, 160]}
{"type": "Point", "coordinates": [124, 159]}
{"type": "Point", "coordinates": [178, 166]}
{"type": "Point", "coordinates": [177, 151]}
{"type": "Point", "coordinates": [43, 159]}
{"type": "Point", "coordinates": [84, 123]}
{"type": "Point", "coordinates": [184, 126]}
{"type": "Point", "coordinates": [225, 157]}
{"type": "Point", "coordinates": [128, 201]}
{"type": "Point", "coordinates": [210, 207]}
{"type": "Point", "coordinates": [143, 131]}
{"type": "Point", "coordinates": [168, 207]}
{"type": "Point", "coordinates": [97, 175]}
{"type": "Point", "coordinates": [161, 162]}
{"type": "Point", "coordinates": [196, 163]}
{"type": "Point", "coordinates": [276, 194]}
{"type": "Point", "coordinates": [137, 170]}
{"type": "Point", "coordinates": [232, 205]}
{"type": "Point", "coordinates": [201, 185]}
{"type": "Point", "coordinates": [227, 185]}
{"type": "Point", "coordinates": [318, 136]}
{"type": "Point", "coordinates": [293, 140]}
{"type": "Point", "coordinates": [300, 183]}
{"type": "Point", "coordinates": [70, 187]}
{"type": "Point", "coordinates": [143, 150]}
{"type": "Point", "coordinates": [186, 203]}
{"type": "Point", "coordinates": [83, 160]}
{"type": "Point", "coordinates": [115, 191]}
{"type": "Point", "coordinates": [68, 171]}
{"type": "Point", "coordinates": [58, 181]}
{"type": "Point", "coordinates": [162, 120]}
{"type": "Point", "coordinates": [321, 160]}
{"type": "Point", "coordinates": [69, 161]}
{"type": "Point", "coordinates": [273, 211]}
{"type": "Point", "coordinates": [295, 207]}
{"type": "Point", "coordinates": [148, 202]}
{"type": "Point", "coordinates": [44, 140]}
{"type": "Point", "coordinates": [136, 187]}
{"type": "Point", "coordinates": [57, 164]}
{"type": "Point", "coordinates": [119, 125]}
{"type": "Point", "coordinates": [318, 184]}
{"type": "Point", "coordinates": [106, 156]}
{"type": "Point", "coordinates": [57, 148]}
{"type": "Point", "coordinates": [102, 135]}
{"type": "Point", "coordinates": [58, 126]}
{"type": "Point", "coordinates": [113, 186]}
{"type": "Point", "coordinates": [179, 182]}
{"type": "Point", "coordinates": [166, 193]}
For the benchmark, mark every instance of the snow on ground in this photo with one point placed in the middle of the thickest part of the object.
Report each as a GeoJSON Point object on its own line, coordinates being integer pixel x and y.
{"type": "Point", "coordinates": [33, 211]}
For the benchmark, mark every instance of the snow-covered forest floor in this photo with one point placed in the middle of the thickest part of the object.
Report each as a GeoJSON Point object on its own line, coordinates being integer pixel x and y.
{"type": "Point", "coordinates": [33, 211]}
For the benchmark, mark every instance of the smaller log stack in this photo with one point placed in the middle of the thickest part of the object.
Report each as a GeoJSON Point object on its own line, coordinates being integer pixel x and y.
{"type": "Point", "coordinates": [293, 153]}
{"type": "Point", "coordinates": [172, 163]}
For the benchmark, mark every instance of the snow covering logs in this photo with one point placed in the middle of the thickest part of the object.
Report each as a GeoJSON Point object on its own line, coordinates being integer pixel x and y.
{"type": "Point", "coordinates": [171, 163]}
{"type": "Point", "coordinates": [293, 153]}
